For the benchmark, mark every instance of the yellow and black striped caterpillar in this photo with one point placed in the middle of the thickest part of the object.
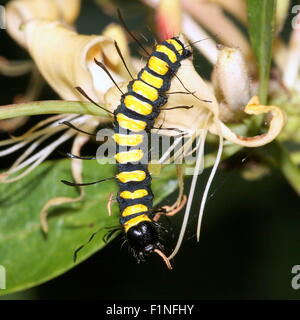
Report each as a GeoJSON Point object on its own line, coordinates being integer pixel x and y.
{"type": "Point", "coordinates": [134, 118]}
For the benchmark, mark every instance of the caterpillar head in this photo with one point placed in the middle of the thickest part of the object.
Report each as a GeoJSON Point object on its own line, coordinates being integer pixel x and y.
{"type": "Point", "coordinates": [144, 239]}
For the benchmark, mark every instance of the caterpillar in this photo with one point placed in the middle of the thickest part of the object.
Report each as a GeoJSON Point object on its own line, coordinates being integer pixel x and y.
{"type": "Point", "coordinates": [133, 118]}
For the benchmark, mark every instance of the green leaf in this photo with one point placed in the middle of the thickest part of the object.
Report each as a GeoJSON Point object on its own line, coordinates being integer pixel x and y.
{"type": "Point", "coordinates": [261, 20]}
{"type": "Point", "coordinates": [28, 256]}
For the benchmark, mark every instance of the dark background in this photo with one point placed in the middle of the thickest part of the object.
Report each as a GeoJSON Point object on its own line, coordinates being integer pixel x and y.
{"type": "Point", "coordinates": [250, 234]}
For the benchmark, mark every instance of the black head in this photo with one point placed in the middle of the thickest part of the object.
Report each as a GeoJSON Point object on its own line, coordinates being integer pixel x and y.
{"type": "Point", "coordinates": [143, 239]}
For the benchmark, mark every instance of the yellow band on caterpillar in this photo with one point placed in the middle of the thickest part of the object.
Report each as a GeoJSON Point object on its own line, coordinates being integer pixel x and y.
{"type": "Point", "coordinates": [140, 193]}
{"type": "Point", "coordinates": [135, 104]}
{"type": "Point", "coordinates": [176, 44]}
{"type": "Point", "coordinates": [129, 156]}
{"type": "Point", "coordinates": [130, 124]}
{"type": "Point", "coordinates": [128, 140]}
{"type": "Point", "coordinates": [151, 79]}
{"type": "Point", "coordinates": [129, 176]}
{"type": "Point", "coordinates": [134, 221]}
{"type": "Point", "coordinates": [136, 208]}
{"type": "Point", "coordinates": [157, 65]}
{"type": "Point", "coordinates": [145, 90]}
{"type": "Point", "coordinates": [171, 55]}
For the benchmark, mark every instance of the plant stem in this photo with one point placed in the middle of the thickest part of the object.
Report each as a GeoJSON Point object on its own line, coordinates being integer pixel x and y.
{"type": "Point", "coordinates": [49, 107]}
{"type": "Point", "coordinates": [261, 18]}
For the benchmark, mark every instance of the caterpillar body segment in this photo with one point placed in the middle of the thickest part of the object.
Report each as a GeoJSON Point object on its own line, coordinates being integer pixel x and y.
{"type": "Point", "coordinates": [133, 119]}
